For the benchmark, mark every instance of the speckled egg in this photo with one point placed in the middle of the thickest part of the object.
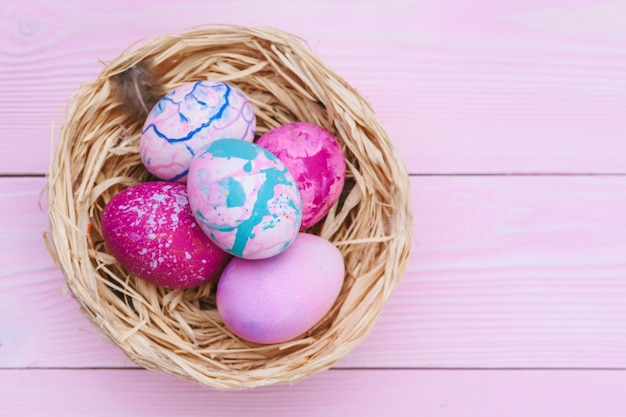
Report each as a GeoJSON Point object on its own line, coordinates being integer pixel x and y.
{"type": "Point", "coordinates": [151, 232]}
{"type": "Point", "coordinates": [244, 199]}
{"type": "Point", "coordinates": [186, 120]}
{"type": "Point", "coordinates": [276, 299]}
{"type": "Point", "coordinates": [315, 159]}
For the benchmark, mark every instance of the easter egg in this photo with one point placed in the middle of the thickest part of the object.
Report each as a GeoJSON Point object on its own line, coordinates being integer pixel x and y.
{"type": "Point", "coordinates": [186, 120]}
{"type": "Point", "coordinates": [244, 199]}
{"type": "Point", "coordinates": [276, 299]}
{"type": "Point", "coordinates": [316, 161]}
{"type": "Point", "coordinates": [150, 230]}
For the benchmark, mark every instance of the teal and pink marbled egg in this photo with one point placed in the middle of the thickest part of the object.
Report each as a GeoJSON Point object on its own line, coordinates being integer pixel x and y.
{"type": "Point", "coordinates": [244, 199]}
{"type": "Point", "coordinates": [186, 120]}
{"type": "Point", "coordinates": [316, 161]}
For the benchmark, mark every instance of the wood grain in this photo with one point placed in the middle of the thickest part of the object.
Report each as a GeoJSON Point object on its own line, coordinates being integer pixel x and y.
{"type": "Point", "coordinates": [398, 393]}
{"type": "Point", "coordinates": [523, 276]}
{"type": "Point", "coordinates": [507, 272]}
{"type": "Point", "coordinates": [486, 86]}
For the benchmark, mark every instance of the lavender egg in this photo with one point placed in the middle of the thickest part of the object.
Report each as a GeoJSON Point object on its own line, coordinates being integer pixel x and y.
{"type": "Point", "coordinates": [150, 230]}
{"type": "Point", "coordinates": [244, 199]}
{"type": "Point", "coordinates": [315, 159]}
{"type": "Point", "coordinates": [186, 120]}
{"type": "Point", "coordinates": [276, 299]}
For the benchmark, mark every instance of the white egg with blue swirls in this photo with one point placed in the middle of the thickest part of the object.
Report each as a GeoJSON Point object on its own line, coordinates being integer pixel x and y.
{"type": "Point", "coordinates": [188, 119]}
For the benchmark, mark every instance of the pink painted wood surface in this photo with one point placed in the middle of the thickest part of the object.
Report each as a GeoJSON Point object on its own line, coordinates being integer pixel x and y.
{"type": "Point", "coordinates": [398, 393]}
{"type": "Point", "coordinates": [522, 276]}
{"type": "Point", "coordinates": [507, 272]}
{"type": "Point", "coordinates": [481, 86]}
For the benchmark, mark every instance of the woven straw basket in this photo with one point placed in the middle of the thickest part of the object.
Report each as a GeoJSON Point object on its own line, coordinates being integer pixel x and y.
{"type": "Point", "coordinates": [180, 331]}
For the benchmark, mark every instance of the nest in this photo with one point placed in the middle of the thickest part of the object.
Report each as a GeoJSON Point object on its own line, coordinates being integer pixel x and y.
{"type": "Point", "coordinates": [179, 331]}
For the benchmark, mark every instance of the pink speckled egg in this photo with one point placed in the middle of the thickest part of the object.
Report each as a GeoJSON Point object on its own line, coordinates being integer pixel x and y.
{"type": "Point", "coordinates": [186, 120]}
{"type": "Point", "coordinates": [316, 161]}
{"type": "Point", "coordinates": [244, 199]}
{"type": "Point", "coordinates": [276, 299]}
{"type": "Point", "coordinates": [151, 232]}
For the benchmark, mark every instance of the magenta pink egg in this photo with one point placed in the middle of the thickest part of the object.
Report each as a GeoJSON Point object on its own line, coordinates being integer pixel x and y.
{"type": "Point", "coordinates": [150, 230]}
{"type": "Point", "coordinates": [276, 299]}
{"type": "Point", "coordinates": [316, 161]}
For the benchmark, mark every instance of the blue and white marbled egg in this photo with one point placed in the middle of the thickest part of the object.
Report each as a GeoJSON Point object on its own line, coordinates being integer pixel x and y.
{"type": "Point", "coordinates": [189, 118]}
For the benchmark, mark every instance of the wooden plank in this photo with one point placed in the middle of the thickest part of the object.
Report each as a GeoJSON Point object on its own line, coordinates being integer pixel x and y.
{"type": "Point", "coordinates": [507, 272]}
{"type": "Point", "coordinates": [510, 272]}
{"type": "Point", "coordinates": [38, 323]}
{"type": "Point", "coordinates": [520, 86]}
{"type": "Point", "coordinates": [398, 393]}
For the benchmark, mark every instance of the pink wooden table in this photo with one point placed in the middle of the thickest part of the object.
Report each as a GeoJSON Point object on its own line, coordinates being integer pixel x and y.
{"type": "Point", "coordinates": [511, 116]}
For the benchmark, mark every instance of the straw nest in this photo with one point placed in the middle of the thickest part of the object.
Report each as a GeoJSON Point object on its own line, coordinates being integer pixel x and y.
{"type": "Point", "coordinates": [180, 331]}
